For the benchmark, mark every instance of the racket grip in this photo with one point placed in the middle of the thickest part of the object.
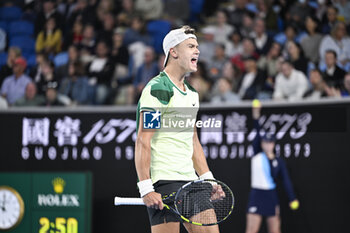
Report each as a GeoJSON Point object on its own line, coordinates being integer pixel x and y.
{"type": "Point", "coordinates": [128, 201]}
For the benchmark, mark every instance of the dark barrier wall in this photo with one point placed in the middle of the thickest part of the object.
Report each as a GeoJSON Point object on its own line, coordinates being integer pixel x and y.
{"type": "Point", "coordinates": [313, 139]}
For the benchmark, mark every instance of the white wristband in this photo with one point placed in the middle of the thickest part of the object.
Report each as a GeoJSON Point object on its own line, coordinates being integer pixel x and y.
{"type": "Point", "coordinates": [145, 186]}
{"type": "Point", "coordinates": [208, 175]}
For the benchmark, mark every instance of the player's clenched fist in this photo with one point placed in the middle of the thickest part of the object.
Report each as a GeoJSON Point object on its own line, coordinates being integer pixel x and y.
{"type": "Point", "coordinates": [217, 193]}
{"type": "Point", "coordinates": [153, 200]}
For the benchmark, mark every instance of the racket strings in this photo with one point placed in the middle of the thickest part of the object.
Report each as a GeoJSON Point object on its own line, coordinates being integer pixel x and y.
{"type": "Point", "coordinates": [204, 203]}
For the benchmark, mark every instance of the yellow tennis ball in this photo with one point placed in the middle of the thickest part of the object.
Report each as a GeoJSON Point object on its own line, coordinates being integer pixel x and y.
{"type": "Point", "coordinates": [256, 103]}
{"type": "Point", "coordinates": [294, 205]}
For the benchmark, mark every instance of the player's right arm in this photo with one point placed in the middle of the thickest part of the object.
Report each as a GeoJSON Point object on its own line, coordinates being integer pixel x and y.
{"type": "Point", "coordinates": [143, 163]}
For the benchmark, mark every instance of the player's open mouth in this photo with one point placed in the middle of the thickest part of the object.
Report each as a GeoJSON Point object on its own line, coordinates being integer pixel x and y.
{"type": "Point", "coordinates": [194, 60]}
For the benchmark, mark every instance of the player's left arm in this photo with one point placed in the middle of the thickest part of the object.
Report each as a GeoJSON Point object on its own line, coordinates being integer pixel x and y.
{"type": "Point", "coordinates": [201, 166]}
{"type": "Point", "coordinates": [199, 161]}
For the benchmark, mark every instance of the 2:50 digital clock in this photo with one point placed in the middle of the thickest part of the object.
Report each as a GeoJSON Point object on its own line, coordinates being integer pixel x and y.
{"type": "Point", "coordinates": [60, 225]}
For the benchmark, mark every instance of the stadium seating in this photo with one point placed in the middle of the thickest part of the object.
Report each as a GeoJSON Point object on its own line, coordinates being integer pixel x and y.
{"type": "Point", "coordinates": [26, 43]}
{"type": "Point", "coordinates": [31, 59]}
{"type": "Point", "coordinates": [10, 14]}
{"type": "Point", "coordinates": [158, 29]}
{"type": "Point", "coordinates": [21, 28]}
{"type": "Point", "coordinates": [4, 26]}
{"type": "Point", "coordinates": [196, 7]}
{"type": "Point", "coordinates": [3, 58]}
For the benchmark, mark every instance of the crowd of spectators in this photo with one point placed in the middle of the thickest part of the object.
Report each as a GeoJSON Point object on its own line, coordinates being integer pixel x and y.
{"type": "Point", "coordinates": [103, 52]}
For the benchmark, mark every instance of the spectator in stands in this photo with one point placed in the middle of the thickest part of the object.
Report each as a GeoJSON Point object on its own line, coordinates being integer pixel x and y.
{"type": "Point", "coordinates": [107, 6]}
{"type": "Point", "coordinates": [311, 42]}
{"type": "Point", "coordinates": [120, 53]}
{"type": "Point", "coordinates": [106, 33]}
{"type": "Point", "coordinates": [236, 16]}
{"type": "Point", "coordinates": [234, 44]}
{"type": "Point", "coordinates": [248, 51]}
{"type": "Point", "coordinates": [81, 16]}
{"type": "Point", "coordinates": [6, 70]}
{"type": "Point", "coordinates": [52, 99]}
{"type": "Point", "coordinates": [49, 40]}
{"type": "Point", "coordinates": [127, 11]}
{"type": "Point", "coordinates": [207, 44]}
{"type": "Point", "coordinates": [31, 97]}
{"type": "Point", "coordinates": [299, 11]}
{"type": "Point", "coordinates": [84, 11]}
{"type": "Point", "coordinates": [290, 84]}
{"type": "Point", "coordinates": [321, 10]}
{"type": "Point", "coordinates": [88, 41]}
{"type": "Point", "coordinates": [75, 85]}
{"type": "Point", "coordinates": [120, 57]}
{"type": "Point", "coordinates": [65, 8]}
{"type": "Point", "coordinates": [216, 65]}
{"type": "Point", "coordinates": [346, 90]}
{"type": "Point", "coordinates": [137, 32]}
{"type": "Point", "coordinates": [253, 80]}
{"type": "Point", "coordinates": [177, 12]}
{"type": "Point", "coordinates": [221, 28]}
{"type": "Point", "coordinates": [330, 20]}
{"type": "Point", "coordinates": [339, 42]}
{"type": "Point", "coordinates": [290, 32]}
{"type": "Point", "coordinates": [224, 93]}
{"type": "Point", "coordinates": [75, 36]}
{"type": "Point", "coordinates": [100, 72]}
{"type": "Point", "coordinates": [268, 62]}
{"type": "Point", "coordinates": [146, 71]}
{"type": "Point", "coordinates": [29, 13]}
{"type": "Point", "coordinates": [270, 14]}
{"type": "Point", "coordinates": [14, 86]}
{"type": "Point", "coordinates": [344, 9]}
{"type": "Point", "coordinates": [296, 56]}
{"type": "Point", "coordinates": [319, 88]}
{"type": "Point", "coordinates": [149, 9]}
{"type": "Point", "coordinates": [122, 86]}
{"type": "Point", "coordinates": [73, 56]}
{"type": "Point", "coordinates": [36, 72]}
{"type": "Point", "coordinates": [47, 75]}
{"type": "Point", "coordinates": [247, 24]}
{"type": "Point", "coordinates": [263, 9]}
{"type": "Point", "coordinates": [2, 40]}
{"type": "Point", "coordinates": [333, 75]}
{"type": "Point", "coordinates": [200, 82]}
{"type": "Point", "coordinates": [48, 11]}
{"type": "Point", "coordinates": [103, 8]}
{"type": "Point", "coordinates": [232, 73]}
{"type": "Point", "coordinates": [262, 40]}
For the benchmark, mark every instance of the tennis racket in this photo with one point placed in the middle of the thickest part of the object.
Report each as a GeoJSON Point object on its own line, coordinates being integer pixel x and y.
{"type": "Point", "coordinates": [200, 202]}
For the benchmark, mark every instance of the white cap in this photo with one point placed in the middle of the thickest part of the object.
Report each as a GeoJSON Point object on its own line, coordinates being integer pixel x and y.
{"type": "Point", "coordinates": [173, 38]}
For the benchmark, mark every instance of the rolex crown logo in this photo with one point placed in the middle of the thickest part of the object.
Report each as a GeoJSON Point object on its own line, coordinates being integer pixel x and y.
{"type": "Point", "coordinates": [58, 185]}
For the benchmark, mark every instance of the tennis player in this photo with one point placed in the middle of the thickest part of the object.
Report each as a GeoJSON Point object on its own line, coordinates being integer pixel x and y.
{"type": "Point", "coordinates": [165, 160]}
{"type": "Point", "coordinates": [266, 168]}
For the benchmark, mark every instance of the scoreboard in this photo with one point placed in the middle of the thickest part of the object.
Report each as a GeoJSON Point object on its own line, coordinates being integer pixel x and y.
{"type": "Point", "coordinates": [45, 202]}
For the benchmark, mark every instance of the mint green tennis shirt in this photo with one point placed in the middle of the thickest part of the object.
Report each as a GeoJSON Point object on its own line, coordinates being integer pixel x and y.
{"type": "Point", "coordinates": [172, 144]}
